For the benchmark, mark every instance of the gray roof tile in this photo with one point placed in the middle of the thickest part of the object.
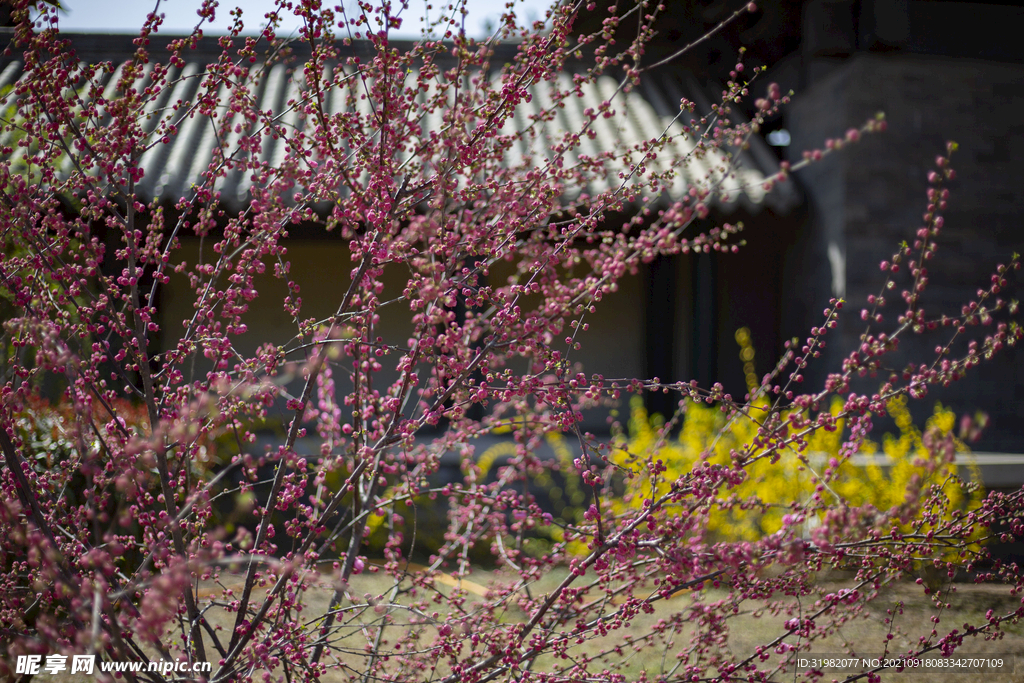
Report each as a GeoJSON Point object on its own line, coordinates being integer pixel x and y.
{"type": "Point", "coordinates": [644, 113]}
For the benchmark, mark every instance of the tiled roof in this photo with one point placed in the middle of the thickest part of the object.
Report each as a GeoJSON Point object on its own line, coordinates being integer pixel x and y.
{"type": "Point", "coordinates": [644, 113]}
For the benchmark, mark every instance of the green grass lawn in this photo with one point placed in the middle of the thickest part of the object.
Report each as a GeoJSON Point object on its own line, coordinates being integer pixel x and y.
{"type": "Point", "coordinates": [749, 625]}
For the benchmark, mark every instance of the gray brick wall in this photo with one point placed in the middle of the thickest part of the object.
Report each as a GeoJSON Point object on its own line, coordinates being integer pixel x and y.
{"type": "Point", "coordinates": [866, 199]}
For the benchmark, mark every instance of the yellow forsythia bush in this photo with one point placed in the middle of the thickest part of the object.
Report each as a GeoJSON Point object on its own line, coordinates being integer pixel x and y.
{"type": "Point", "coordinates": [883, 482]}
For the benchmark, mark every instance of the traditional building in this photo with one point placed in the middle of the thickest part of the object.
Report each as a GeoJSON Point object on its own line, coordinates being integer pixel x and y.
{"type": "Point", "coordinates": [939, 70]}
{"type": "Point", "coordinates": [665, 322]}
